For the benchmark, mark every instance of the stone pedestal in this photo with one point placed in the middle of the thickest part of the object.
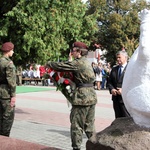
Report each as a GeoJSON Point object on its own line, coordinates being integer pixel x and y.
{"type": "Point", "coordinates": [122, 134]}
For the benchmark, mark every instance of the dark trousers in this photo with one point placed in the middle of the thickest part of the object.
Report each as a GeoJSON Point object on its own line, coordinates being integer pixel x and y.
{"type": "Point", "coordinates": [6, 117]}
{"type": "Point", "coordinates": [82, 120]}
{"type": "Point", "coordinates": [120, 109]}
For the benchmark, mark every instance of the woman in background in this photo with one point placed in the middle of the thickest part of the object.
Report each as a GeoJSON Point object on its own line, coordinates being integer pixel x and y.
{"type": "Point", "coordinates": [98, 76]}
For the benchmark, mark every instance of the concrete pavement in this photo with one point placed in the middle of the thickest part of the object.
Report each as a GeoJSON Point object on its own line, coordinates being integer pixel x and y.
{"type": "Point", "coordinates": [43, 117]}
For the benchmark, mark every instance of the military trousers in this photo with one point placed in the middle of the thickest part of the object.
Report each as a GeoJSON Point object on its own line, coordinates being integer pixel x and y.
{"type": "Point", "coordinates": [6, 117]}
{"type": "Point", "coordinates": [82, 120]}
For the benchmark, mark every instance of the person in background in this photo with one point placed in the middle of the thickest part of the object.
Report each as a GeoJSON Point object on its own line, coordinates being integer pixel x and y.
{"type": "Point", "coordinates": [48, 76]}
{"type": "Point", "coordinates": [7, 89]}
{"type": "Point", "coordinates": [19, 75]}
{"type": "Point", "coordinates": [98, 76]}
{"type": "Point", "coordinates": [25, 75]}
{"type": "Point", "coordinates": [30, 73]}
{"type": "Point", "coordinates": [42, 71]}
{"type": "Point", "coordinates": [115, 84]}
{"type": "Point", "coordinates": [93, 64]}
{"type": "Point", "coordinates": [105, 75]}
{"type": "Point", "coordinates": [84, 99]}
{"type": "Point", "coordinates": [108, 70]}
{"type": "Point", "coordinates": [36, 74]}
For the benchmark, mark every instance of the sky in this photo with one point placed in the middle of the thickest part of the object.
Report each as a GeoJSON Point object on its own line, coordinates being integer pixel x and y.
{"type": "Point", "coordinates": [84, 1]}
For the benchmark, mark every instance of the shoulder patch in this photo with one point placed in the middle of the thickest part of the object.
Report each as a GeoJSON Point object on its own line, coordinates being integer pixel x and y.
{"type": "Point", "coordinates": [10, 62]}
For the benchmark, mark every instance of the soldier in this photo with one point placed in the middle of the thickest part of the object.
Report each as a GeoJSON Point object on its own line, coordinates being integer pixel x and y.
{"type": "Point", "coordinates": [82, 115]}
{"type": "Point", "coordinates": [7, 89]}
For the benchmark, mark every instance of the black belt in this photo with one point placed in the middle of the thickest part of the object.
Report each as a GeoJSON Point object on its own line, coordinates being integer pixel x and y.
{"type": "Point", "coordinates": [80, 85]}
{"type": "Point", "coordinates": [3, 82]}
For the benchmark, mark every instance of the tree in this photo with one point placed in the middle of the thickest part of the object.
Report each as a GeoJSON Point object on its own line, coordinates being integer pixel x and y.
{"type": "Point", "coordinates": [45, 29]}
{"type": "Point", "coordinates": [118, 25]}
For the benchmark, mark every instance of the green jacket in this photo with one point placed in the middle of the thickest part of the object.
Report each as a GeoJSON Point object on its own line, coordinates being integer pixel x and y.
{"type": "Point", "coordinates": [7, 78]}
{"type": "Point", "coordinates": [83, 74]}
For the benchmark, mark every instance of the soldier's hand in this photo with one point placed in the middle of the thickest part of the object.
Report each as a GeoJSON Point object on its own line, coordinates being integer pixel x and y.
{"type": "Point", "coordinates": [70, 56]}
{"type": "Point", "coordinates": [13, 101]}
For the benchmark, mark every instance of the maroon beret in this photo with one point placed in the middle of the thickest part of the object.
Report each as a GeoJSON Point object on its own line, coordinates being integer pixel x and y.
{"type": "Point", "coordinates": [8, 46]}
{"type": "Point", "coordinates": [80, 45]}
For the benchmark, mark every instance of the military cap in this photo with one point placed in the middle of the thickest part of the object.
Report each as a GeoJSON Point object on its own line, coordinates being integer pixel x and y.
{"type": "Point", "coordinates": [8, 46]}
{"type": "Point", "coordinates": [80, 45]}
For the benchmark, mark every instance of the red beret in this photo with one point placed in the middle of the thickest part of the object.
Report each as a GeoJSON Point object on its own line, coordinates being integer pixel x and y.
{"type": "Point", "coordinates": [8, 46]}
{"type": "Point", "coordinates": [80, 45]}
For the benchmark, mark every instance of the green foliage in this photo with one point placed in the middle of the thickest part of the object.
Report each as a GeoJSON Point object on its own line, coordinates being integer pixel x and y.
{"type": "Point", "coordinates": [45, 29]}
{"type": "Point", "coordinates": [119, 25]}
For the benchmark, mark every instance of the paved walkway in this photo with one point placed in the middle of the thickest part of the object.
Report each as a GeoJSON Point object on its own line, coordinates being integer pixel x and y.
{"type": "Point", "coordinates": [43, 117]}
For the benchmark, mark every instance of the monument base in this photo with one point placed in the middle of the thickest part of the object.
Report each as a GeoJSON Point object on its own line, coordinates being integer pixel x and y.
{"type": "Point", "coordinates": [122, 134]}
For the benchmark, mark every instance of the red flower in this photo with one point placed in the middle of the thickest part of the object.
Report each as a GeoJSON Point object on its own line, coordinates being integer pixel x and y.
{"type": "Point", "coordinates": [62, 80]}
{"type": "Point", "coordinates": [57, 78]}
{"type": "Point", "coordinates": [61, 74]}
{"type": "Point", "coordinates": [66, 81]}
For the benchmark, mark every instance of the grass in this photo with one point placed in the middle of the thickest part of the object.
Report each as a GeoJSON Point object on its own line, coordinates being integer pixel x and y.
{"type": "Point", "coordinates": [27, 89]}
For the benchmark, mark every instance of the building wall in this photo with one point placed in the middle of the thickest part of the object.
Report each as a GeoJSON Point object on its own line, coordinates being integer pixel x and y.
{"type": "Point", "coordinates": [95, 56]}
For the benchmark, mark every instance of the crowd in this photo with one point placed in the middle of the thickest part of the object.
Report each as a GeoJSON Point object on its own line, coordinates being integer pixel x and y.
{"type": "Point", "coordinates": [101, 72]}
{"type": "Point", "coordinates": [34, 72]}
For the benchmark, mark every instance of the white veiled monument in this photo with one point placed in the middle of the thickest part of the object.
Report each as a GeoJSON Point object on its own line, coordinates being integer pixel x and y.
{"type": "Point", "coordinates": [136, 83]}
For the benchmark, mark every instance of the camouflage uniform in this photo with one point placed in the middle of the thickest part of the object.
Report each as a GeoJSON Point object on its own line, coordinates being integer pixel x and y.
{"type": "Point", "coordinates": [83, 102]}
{"type": "Point", "coordinates": [7, 90]}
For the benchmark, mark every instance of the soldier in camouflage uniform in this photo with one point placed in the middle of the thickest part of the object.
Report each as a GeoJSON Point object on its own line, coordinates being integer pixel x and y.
{"type": "Point", "coordinates": [82, 115]}
{"type": "Point", "coordinates": [7, 89]}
